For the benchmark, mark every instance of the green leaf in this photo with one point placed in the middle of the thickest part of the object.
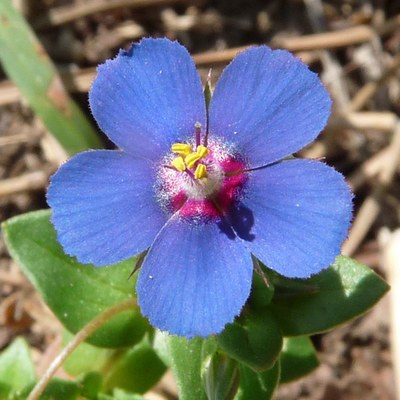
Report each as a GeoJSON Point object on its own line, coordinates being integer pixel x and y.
{"type": "Point", "coordinates": [137, 370]}
{"type": "Point", "coordinates": [5, 389]}
{"type": "Point", "coordinates": [220, 376]}
{"type": "Point", "coordinates": [254, 339]}
{"type": "Point", "coordinates": [262, 290]}
{"type": "Point", "coordinates": [259, 385]}
{"type": "Point", "coordinates": [80, 361]}
{"type": "Point", "coordinates": [57, 389]}
{"type": "Point", "coordinates": [90, 385]}
{"type": "Point", "coordinates": [298, 358]}
{"type": "Point", "coordinates": [103, 396]}
{"type": "Point", "coordinates": [340, 293]}
{"type": "Point", "coordinates": [119, 394]}
{"type": "Point", "coordinates": [76, 293]}
{"type": "Point", "coordinates": [26, 62]}
{"type": "Point", "coordinates": [134, 369]}
{"type": "Point", "coordinates": [185, 357]}
{"type": "Point", "coordinates": [16, 368]}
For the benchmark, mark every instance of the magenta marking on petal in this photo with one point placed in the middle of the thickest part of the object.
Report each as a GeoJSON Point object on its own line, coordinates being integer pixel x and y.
{"type": "Point", "coordinates": [232, 185]}
{"type": "Point", "coordinates": [219, 203]}
{"type": "Point", "coordinates": [203, 209]}
{"type": "Point", "coordinates": [178, 201]}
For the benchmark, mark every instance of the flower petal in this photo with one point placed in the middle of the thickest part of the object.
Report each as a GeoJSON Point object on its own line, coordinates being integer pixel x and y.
{"type": "Point", "coordinates": [194, 279]}
{"type": "Point", "coordinates": [269, 104]}
{"type": "Point", "coordinates": [302, 211]}
{"type": "Point", "coordinates": [148, 97]}
{"type": "Point", "coordinates": [103, 206]}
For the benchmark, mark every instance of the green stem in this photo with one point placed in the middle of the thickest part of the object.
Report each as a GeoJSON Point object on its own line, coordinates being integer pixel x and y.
{"type": "Point", "coordinates": [81, 336]}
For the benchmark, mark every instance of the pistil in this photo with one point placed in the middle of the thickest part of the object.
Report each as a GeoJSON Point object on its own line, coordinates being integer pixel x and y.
{"type": "Point", "coordinates": [197, 127]}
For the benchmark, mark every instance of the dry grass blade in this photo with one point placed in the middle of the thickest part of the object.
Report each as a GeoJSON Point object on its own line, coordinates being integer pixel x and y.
{"type": "Point", "coordinates": [27, 63]}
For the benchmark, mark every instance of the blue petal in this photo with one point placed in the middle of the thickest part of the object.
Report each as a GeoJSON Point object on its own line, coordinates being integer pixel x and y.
{"type": "Point", "coordinates": [194, 279]}
{"type": "Point", "coordinates": [270, 104]}
{"type": "Point", "coordinates": [302, 211]}
{"type": "Point", "coordinates": [103, 206]}
{"type": "Point", "coordinates": [148, 97]}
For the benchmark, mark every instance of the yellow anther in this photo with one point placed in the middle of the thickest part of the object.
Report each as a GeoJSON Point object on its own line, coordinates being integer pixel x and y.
{"type": "Point", "coordinates": [191, 160]}
{"type": "Point", "coordinates": [200, 172]}
{"type": "Point", "coordinates": [181, 148]}
{"type": "Point", "coordinates": [179, 164]}
{"type": "Point", "coordinates": [202, 151]}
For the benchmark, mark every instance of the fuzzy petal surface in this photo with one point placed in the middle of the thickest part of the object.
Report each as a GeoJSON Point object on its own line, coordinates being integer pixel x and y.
{"type": "Point", "coordinates": [103, 206]}
{"type": "Point", "coordinates": [148, 97]}
{"type": "Point", "coordinates": [269, 104]}
{"type": "Point", "coordinates": [301, 211]}
{"type": "Point", "coordinates": [194, 279]}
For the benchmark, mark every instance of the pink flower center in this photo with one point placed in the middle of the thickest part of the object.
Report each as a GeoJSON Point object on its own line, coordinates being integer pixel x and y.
{"type": "Point", "coordinates": [200, 182]}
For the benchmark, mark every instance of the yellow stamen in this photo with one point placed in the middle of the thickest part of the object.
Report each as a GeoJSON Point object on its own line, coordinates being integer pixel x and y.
{"type": "Point", "coordinates": [200, 172]}
{"type": "Point", "coordinates": [202, 151]}
{"type": "Point", "coordinates": [179, 164]}
{"type": "Point", "coordinates": [191, 160]}
{"type": "Point", "coordinates": [181, 148]}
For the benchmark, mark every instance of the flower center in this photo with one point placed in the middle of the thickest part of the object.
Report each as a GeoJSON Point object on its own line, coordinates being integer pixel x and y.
{"type": "Point", "coordinates": [200, 181]}
{"type": "Point", "coordinates": [189, 160]}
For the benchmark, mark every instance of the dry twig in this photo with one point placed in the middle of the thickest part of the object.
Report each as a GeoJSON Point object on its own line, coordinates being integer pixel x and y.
{"type": "Point", "coordinates": [81, 80]}
{"type": "Point", "coordinates": [326, 40]}
{"type": "Point", "coordinates": [390, 243]}
{"type": "Point", "coordinates": [371, 205]}
{"type": "Point", "coordinates": [68, 13]}
{"type": "Point", "coordinates": [18, 138]}
{"type": "Point", "coordinates": [382, 121]}
{"type": "Point", "coordinates": [377, 120]}
{"type": "Point", "coordinates": [365, 93]}
{"type": "Point", "coordinates": [30, 181]}
{"type": "Point", "coordinates": [368, 169]}
{"type": "Point", "coordinates": [332, 71]}
{"type": "Point", "coordinates": [7, 278]}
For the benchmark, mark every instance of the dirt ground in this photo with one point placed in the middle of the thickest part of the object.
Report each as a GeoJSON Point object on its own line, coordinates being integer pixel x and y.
{"type": "Point", "coordinates": [359, 63]}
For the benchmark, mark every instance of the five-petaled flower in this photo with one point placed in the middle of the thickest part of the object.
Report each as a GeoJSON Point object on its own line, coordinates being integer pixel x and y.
{"type": "Point", "coordinates": [202, 190]}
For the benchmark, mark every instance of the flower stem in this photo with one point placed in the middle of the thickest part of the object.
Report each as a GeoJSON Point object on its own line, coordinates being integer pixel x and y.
{"type": "Point", "coordinates": [82, 335]}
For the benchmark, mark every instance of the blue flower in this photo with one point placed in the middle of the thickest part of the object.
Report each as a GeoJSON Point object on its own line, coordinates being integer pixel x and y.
{"type": "Point", "coordinates": [202, 191]}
